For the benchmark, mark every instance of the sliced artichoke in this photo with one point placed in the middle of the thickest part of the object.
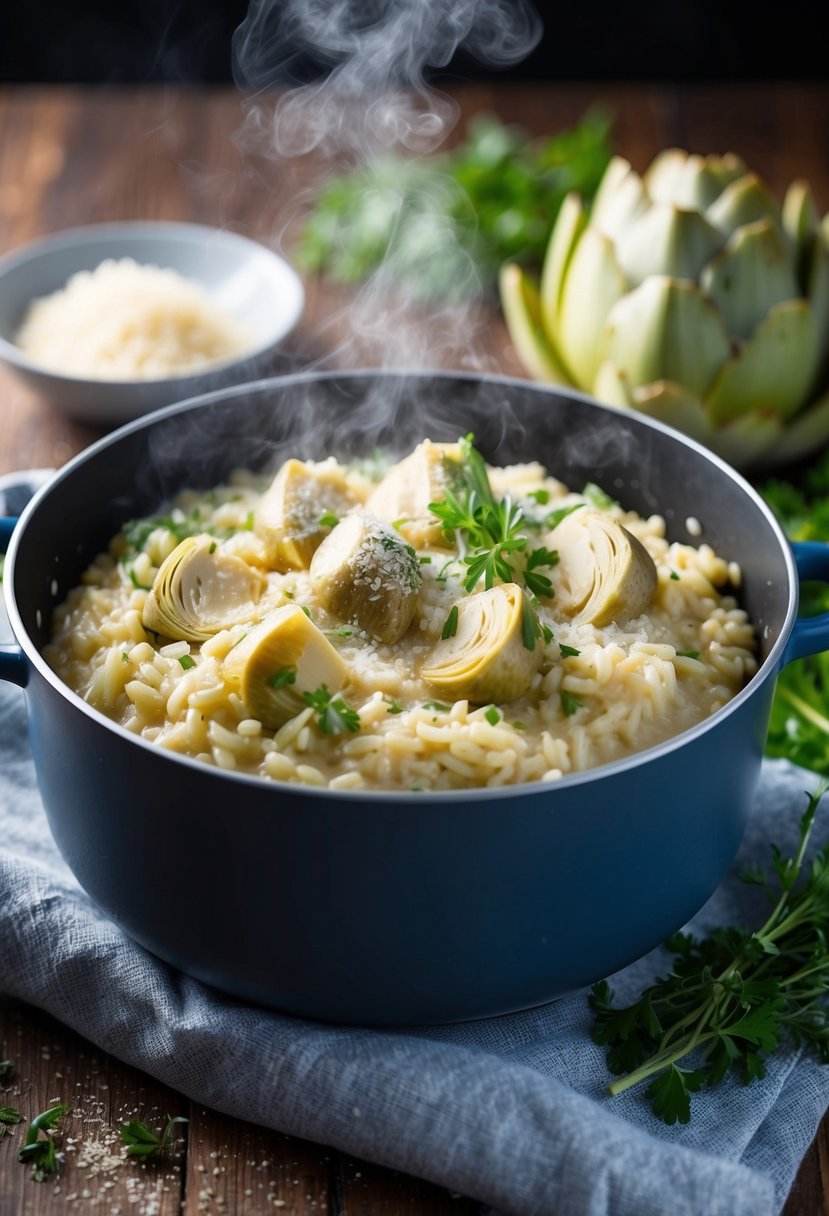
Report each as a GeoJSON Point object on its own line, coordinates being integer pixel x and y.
{"type": "Point", "coordinates": [199, 590]}
{"type": "Point", "coordinates": [295, 512]}
{"type": "Point", "coordinates": [407, 489]}
{"type": "Point", "coordinates": [279, 660]}
{"type": "Point", "coordinates": [486, 659]}
{"type": "Point", "coordinates": [364, 571]}
{"type": "Point", "coordinates": [604, 573]}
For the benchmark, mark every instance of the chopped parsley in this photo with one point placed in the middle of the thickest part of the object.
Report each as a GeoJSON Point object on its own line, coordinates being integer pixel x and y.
{"type": "Point", "coordinates": [555, 517]}
{"type": "Point", "coordinates": [568, 652]}
{"type": "Point", "coordinates": [9, 1116]}
{"type": "Point", "coordinates": [125, 658]}
{"type": "Point", "coordinates": [596, 495]}
{"type": "Point", "coordinates": [450, 627]}
{"type": "Point", "coordinates": [212, 548]}
{"type": "Point", "coordinates": [393, 707]}
{"type": "Point", "coordinates": [345, 631]}
{"type": "Point", "coordinates": [687, 654]}
{"type": "Point", "coordinates": [282, 677]}
{"type": "Point", "coordinates": [569, 703]}
{"type": "Point", "coordinates": [547, 634]}
{"type": "Point", "coordinates": [542, 497]}
{"type": "Point", "coordinates": [493, 715]}
{"type": "Point", "coordinates": [329, 520]}
{"type": "Point", "coordinates": [334, 715]}
{"type": "Point", "coordinates": [674, 575]}
{"type": "Point", "coordinates": [142, 1142]}
{"type": "Point", "coordinates": [39, 1149]}
{"type": "Point", "coordinates": [187, 662]}
{"type": "Point", "coordinates": [436, 705]}
{"type": "Point", "coordinates": [134, 580]}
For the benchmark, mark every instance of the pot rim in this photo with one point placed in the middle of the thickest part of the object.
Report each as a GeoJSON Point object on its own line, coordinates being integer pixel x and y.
{"type": "Point", "coordinates": [526, 789]}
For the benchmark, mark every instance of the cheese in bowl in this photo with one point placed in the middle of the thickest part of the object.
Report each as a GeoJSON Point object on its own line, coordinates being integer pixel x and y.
{"type": "Point", "coordinates": [437, 624]}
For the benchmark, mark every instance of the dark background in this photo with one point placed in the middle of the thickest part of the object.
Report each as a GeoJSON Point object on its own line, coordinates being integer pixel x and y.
{"type": "Point", "coordinates": [188, 41]}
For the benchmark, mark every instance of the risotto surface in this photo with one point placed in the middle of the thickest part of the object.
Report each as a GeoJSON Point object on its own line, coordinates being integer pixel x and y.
{"type": "Point", "coordinates": [600, 692]}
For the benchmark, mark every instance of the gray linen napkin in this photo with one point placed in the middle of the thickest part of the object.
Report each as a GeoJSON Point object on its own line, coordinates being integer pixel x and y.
{"type": "Point", "coordinates": [511, 1110]}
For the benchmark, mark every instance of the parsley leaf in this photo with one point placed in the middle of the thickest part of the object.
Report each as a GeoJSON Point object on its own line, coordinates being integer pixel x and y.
{"type": "Point", "coordinates": [568, 652]}
{"type": "Point", "coordinates": [142, 1142]}
{"type": "Point", "coordinates": [732, 998]}
{"type": "Point", "coordinates": [493, 715]}
{"type": "Point", "coordinates": [334, 715]}
{"type": "Point", "coordinates": [39, 1151]}
{"type": "Point", "coordinates": [282, 677]}
{"type": "Point", "coordinates": [569, 703]}
{"type": "Point", "coordinates": [596, 495]}
{"type": "Point", "coordinates": [328, 520]}
{"type": "Point", "coordinates": [187, 662]}
{"type": "Point", "coordinates": [450, 627]}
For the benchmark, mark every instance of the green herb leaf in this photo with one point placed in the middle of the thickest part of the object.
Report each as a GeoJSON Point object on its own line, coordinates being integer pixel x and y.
{"type": "Point", "coordinates": [329, 520]}
{"type": "Point", "coordinates": [493, 715]}
{"type": "Point", "coordinates": [134, 580]}
{"type": "Point", "coordinates": [733, 997]}
{"type": "Point", "coordinates": [542, 497]}
{"type": "Point", "coordinates": [568, 652]}
{"type": "Point", "coordinates": [393, 707]}
{"type": "Point", "coordinates": [497, 193]}
{"type": "Point", "coordinates": [547, 634]}
{"type": "Point", "coordinates": [282, 677]}
{"type": "Point", "coordinates": [142, 1142]}
{"type": "Point", "coordinates": [555, 517]}
{"type": "Point", "coordinates": [597, 496]}
{"type": "Point", "coordinates": [39, 1149]}
{"type": "Point", "coordinates": [187, 662]}
{"type": "Point", "coordinates": [530, 625]}
{"type": "Point", "coordinates": [569, 703]}
{"type": "Point", "coordinates": [687, 654]}
{"type": "Point", "coordinates": [675, 576]}
{"type": "Point", "coordinates": [334, 715]}
{"type": "Point", "coordinates": [450, 627]}
{"type": "Point", "coordinates": [436, 705]}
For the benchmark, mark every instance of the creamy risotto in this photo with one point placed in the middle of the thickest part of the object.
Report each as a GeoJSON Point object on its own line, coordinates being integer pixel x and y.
{"type": "Point", "coordinates": [439, 625]}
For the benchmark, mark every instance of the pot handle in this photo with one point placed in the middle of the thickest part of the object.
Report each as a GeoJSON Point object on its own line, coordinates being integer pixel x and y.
{"type": "Point", "coordinates": [811, 633]}
{"type": "Point", "coordinates": [12, 664]}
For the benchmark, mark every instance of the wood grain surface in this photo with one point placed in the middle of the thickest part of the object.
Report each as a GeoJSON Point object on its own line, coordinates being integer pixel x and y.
{"type": "Point", "coordinates": [76, 156]}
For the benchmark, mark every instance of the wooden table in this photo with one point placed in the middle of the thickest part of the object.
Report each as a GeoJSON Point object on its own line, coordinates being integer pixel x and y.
{"type": "Point", "coordinates": [78, 156]}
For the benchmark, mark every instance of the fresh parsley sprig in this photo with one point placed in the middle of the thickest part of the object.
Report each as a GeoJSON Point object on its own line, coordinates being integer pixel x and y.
{"type": "Point", "coordinates": [732, 998]}
{"type": "Point", "coordinates": [334, 715]}
{"type": "Point", "coordinates": [490, 533]}
{"type": "Point", "coordinates": [40, 1150]}
{"type": "Point", "coordinates": [143, 1142]}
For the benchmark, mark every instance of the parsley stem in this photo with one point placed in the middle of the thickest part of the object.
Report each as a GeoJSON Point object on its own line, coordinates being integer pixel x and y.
{"type": "Point", "coordinates": [804, 709]}
{"type": "Point", "coordinates": [657, 1064]}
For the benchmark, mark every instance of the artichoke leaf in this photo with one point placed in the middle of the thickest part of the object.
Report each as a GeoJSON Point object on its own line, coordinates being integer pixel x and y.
{"type": "Point", "coordinates": [750, 275]}
{"type": "Point", "coordinates": [818, 295]}
{"type": "Point", "coordinates": [806, 434]}
{"type": "Point", "coordinates": [199, 590]}
{"type": "Point", "coordinates": [620, 199]}
{"type": "Point", "coordinates": [801, 218]}
{"type": "Point", "coordinates": [486, 659]}
{"type": "Point", "coordinates": [593, 284]}
{"type": "Point", "coordinates": [667, 240]}
{"type": "Point", "coordinates": [675, 406]}
{"type": "Point", "coordinates": [746, 439]}
{"type": "Point", "coordinates": [611, 386]}
{"type": "Point", "coordinates": [278, 661]}
{"type": "Point", "coordinates": [289, 517]}
{"type": "Point", "coordinates": [745, 201]}
{"type": "Point", "coordinates": [604, 572]}
{"type": "Point", "coordinates": [522, 312]}
{"type": "Point", "coordinates": [409, 486]}
{"type": "Point", "coordinates": [569, 225]}
{"type": "Point", "coordinates": [691, 181]}
{"type": "Point", "coordinates": [773, 370]}
{"type": "Point", "coordinates": [666, 330]}
{"type": "Point", "coordinates": [364, 571]}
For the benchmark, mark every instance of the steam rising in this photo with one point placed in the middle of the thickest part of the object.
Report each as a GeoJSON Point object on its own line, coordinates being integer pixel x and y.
{"type": "Point", "coordinates": [368, 96]}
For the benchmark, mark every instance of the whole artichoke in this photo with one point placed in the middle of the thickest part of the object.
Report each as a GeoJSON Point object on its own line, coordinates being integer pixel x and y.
{"type": "Point", "coordinates": [691, 295]}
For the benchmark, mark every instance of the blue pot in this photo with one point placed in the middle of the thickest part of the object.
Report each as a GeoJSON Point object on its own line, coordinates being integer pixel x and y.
{"type": "Point", "coordinates": [397, 907]}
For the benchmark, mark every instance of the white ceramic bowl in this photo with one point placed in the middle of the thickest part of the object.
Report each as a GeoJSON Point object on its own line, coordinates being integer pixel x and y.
{"type": "Point", "coordinates": [242, 277]}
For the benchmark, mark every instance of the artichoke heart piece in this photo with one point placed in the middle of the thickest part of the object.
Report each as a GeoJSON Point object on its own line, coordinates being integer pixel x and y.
{"type": "Point", "coordinates": [199, 590]}
{"type": "Point", "coordinates": [486, 659]}
{"type": "Point", "coordinates": [294, 514]}
{"type": "Point", "coordinates": [604, 573]}
{"type": "Point", "coordinates": [408, 487]}
{"type": "Point", "coordinates": [365, 572]}
{"type": "Point", "coordinates": [278, 661]}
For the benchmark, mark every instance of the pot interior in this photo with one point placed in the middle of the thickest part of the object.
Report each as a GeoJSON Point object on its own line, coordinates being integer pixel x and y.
{"type": "Point", "coordinates": [136, 470]}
